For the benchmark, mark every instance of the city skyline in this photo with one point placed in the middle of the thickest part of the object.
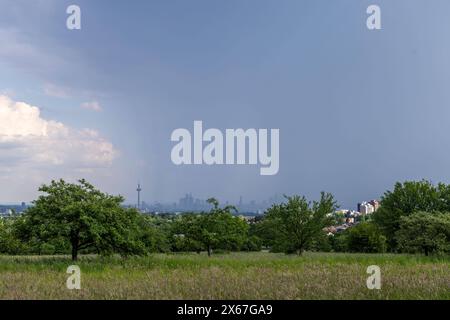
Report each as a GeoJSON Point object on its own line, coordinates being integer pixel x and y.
{"type": "Point", "coordinates": [190, 202]}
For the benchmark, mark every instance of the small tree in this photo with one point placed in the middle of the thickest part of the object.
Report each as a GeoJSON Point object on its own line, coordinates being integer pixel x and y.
{"type": "Point", "coordinates": [9, 243]}
{"type": "Point", "coordinates": [365, 237]}
{"type": "Point", "coordinates": [407, 198]}
{"type": "Point", "coordinates": [153, 232]}
{"type": "Point", "coordinates": [425, 233]}
{"type": "Point", "coordinates": [217, 229]}
{"type": "Point", "coordinates": [299, 222]}
{"type": "Point", "coordinates": [267, 230]}
{"type": "Point", "coordinates": [186, 232]}
{"type": "Point", "coordinates": [84, 216]}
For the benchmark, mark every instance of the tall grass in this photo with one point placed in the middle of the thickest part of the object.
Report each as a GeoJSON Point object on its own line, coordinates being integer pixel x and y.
{"type": "Point", "coordinates": [227, 276]}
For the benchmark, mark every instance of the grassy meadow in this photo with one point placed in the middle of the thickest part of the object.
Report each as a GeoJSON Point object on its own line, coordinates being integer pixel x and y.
{"type": "Point", "coordinates": [227, 276]}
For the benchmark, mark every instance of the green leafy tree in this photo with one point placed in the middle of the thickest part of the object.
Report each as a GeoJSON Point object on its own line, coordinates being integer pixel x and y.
{"type": "Point", "coordinates": [365, 237]}
{"type": "Point", "coordinates": [425, 233]}
{"type": "Point", "coordinates": [86, 217]}
{"type": "Point", "coordinates": [321, 243]}
{"type": "Point", "coordinates": [253, 243]}
{"type": "Point", "coordinates": [186, 233]}
{"type": "Point", "coordinates": [267, 230]}
{"type": "Point", "coordinates": [9, 243]}
{"type": "Point", "coordinates": [221, 229]}
{"type": "Point", "coordinates": [217, 229]}
{"type": "Point", "coordinates": [339, 242]}
{"type": "Point", "coordinates": [299, 223]}
{"type": "Point", "coordinates": [407, 198]}
{"type": "Point", "coordinates": [153, 232]}
{"type": "Point", "coordinates": [22, 230]}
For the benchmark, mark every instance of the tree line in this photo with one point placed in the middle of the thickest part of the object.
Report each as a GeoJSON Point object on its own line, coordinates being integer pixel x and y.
{"type": "Point", "coordinates": [77, 218]}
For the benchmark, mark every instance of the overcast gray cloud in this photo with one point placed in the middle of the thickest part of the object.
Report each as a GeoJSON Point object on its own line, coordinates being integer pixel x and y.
{"type": "Point", "coordinates": [357, 110]}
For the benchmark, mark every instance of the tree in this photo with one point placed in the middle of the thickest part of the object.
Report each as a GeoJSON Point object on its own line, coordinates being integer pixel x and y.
{"type": "Point", "coordinates": [217, 229]}
{"type": "Point", "coordinates": [85, 217]}
{"type": "Point", "coordinates": [267, 230]}
{"type": "Point", "coordinates": [253, 243]}
{"type": "Point", "coordinates": [365, 237]}
{"type": "Point", "coordinates": [407, 198]}
{"type": "Point", "coordinates": [9, 243]}
{"type": "Point", "coordinates": [339, 242]}
{"type": "Point", "coordinates": [425, 233]}
{"type": "Point", "coordinates": [299, 222]}
{"type": "Point", "coordinates": [186, 232]}
{"type": "Point", "coordinates": [221, 229]}
{"type": "Point", "coordinates": [153, 232]}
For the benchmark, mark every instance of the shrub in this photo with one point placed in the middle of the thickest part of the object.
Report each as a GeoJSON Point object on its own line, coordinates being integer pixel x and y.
{"type": "Point", "coordinates": [406, 199]}
{"type": "Point", "coordinates": [253, 243]}
{"type": "Point", "coordinates": [365, 237]}
{"type": "Point", "coordinates": [423, 232]}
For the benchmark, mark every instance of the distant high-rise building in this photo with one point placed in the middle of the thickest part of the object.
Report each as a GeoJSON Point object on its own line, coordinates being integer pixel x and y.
{"type": "Point", "coordinates": [366, 208]}
{"type": "Point", "coordinates": [375, 204]}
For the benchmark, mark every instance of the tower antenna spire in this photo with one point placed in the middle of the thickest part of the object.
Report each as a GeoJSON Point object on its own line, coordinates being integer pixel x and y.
{"type": "Point", "coordinates": [139, 189]}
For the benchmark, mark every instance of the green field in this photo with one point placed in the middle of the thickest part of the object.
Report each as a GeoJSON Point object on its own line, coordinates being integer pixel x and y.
{"type": "Point", "coordinates": [227, 276]}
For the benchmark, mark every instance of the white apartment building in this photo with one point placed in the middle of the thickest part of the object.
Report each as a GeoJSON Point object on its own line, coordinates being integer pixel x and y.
{"type": "Point", "coordinates": [366, 208]}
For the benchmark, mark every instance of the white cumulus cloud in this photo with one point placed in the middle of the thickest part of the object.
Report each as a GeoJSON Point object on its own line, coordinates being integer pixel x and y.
{"type": "Point", "coordinates": [29, 141]}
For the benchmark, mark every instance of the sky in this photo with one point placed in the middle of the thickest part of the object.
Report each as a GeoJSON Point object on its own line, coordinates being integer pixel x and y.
{"type": "Point", "coordinates": [357, 109]}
